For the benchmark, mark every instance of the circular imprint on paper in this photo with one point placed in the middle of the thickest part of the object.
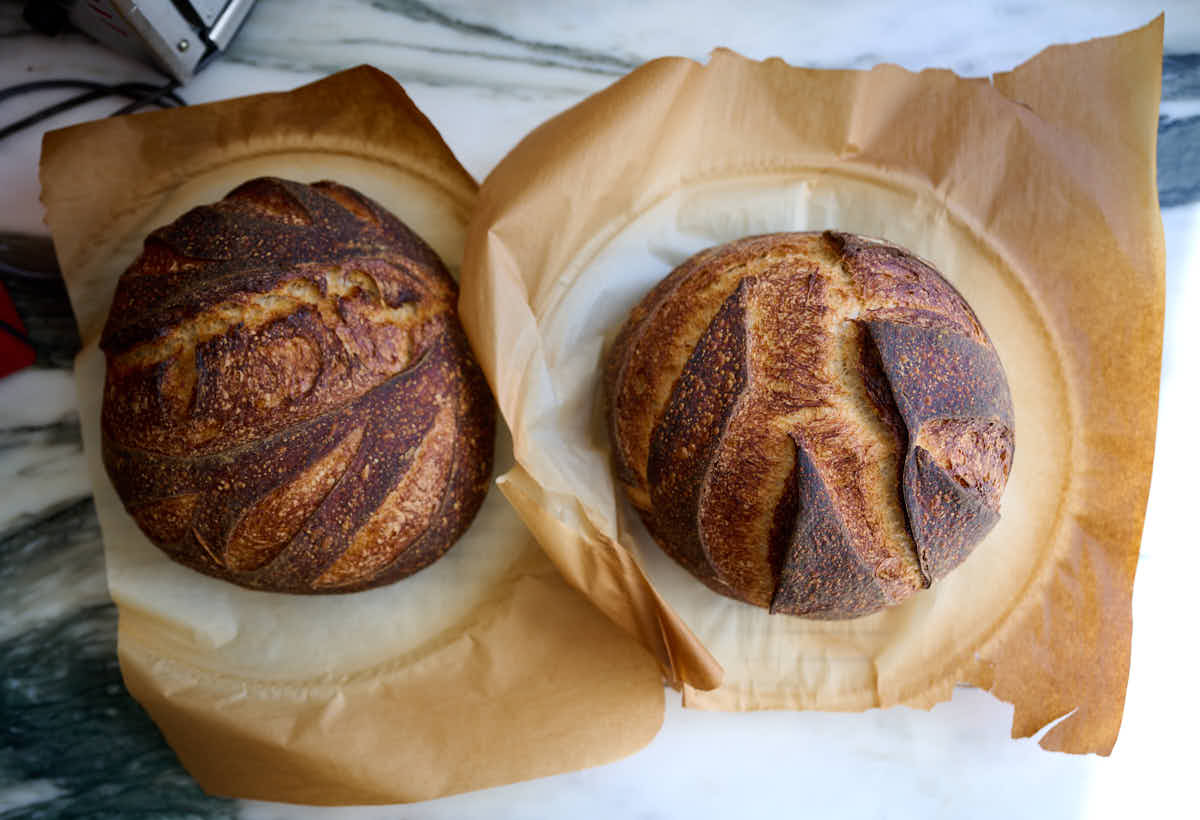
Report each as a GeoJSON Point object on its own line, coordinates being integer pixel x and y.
{"type": "Point", "coordinates": [906, 649]}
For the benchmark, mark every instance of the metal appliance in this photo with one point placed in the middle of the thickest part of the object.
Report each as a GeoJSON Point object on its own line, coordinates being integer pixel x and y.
{"type": "Point", "coordinates": [178, 36]}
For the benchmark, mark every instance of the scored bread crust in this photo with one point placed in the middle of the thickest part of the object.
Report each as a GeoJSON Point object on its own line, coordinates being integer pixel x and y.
{"type": "Point", "coordinates": [811, 422]}
{"type": "Point", "coordinates": [290, 402]}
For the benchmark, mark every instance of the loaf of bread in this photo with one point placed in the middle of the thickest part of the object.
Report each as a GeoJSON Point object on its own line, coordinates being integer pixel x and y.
{"type": "Point", "coordinates": [290, 402]}
{"type": "Point", "coordinates": [810, 422]}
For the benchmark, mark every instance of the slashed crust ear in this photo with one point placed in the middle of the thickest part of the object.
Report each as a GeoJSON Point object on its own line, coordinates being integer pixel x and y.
{"type": "Point", "coordinates": [290, 401]}
{"type": "Point", "coordinates": [811, 422]}
{"type": "Point", "coordinates": [937, 376]}
{"type": "Point", "coordinates": [829, 578]}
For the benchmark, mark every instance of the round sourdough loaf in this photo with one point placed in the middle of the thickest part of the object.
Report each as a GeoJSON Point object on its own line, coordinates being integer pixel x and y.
{"type": "Point", "coordinates": [290, 403]}
{"type": "Point", "coordinates": [810, 422]}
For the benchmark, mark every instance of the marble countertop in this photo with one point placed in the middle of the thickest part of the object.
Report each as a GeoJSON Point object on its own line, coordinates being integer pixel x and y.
{"type": "Point", "coordinates": [74, 744]}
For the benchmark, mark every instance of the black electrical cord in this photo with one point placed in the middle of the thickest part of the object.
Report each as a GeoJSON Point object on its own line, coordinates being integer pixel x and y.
{"type": "Point", "coordinates": [89, 85]}
{"type": "Point", "coordinates": [155, 96]}
{"type": "Point", "coordinates": [50, 110]}
{"type": "Point", "coordinates": [16, 334]}
{"type": "Point", "coordinates": [13, 270]}
{"type": "Point", "coordinates": [139, 94]}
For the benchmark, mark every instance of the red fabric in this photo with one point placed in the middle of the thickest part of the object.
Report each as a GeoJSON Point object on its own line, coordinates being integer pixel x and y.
{"type": "Point", "coordinates": [14, 353]}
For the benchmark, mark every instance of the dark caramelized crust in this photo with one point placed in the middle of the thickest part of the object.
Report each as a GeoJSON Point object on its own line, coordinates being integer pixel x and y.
{"type": "Point", "coordinates": [682, 447]}
{"type": "Point", "coordinates": [946, 390]}
{"type": "Point", "coordinates": [290, 401]}
{"type": "Point", "coordinates": [815, 423]}
{"type": "Point", "coordinates": [826, 574]}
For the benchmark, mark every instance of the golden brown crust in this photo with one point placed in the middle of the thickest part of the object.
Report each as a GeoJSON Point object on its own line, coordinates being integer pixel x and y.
{"type": "Point", "coordinates": [290, 402]}
{"type": "Point", "coordinates": [815, 423]}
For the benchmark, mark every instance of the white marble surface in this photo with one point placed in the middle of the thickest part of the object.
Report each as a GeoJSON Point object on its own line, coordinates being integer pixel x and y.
{"type": "Point", "coordinates": [488, 73]}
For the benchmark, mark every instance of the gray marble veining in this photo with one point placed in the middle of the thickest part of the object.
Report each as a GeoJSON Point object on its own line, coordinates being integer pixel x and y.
{"type": "Point", "coordinates": [74, 741]}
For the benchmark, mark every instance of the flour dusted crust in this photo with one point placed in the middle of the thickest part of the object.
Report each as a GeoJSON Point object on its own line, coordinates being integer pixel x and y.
{"type": "Point", "coordinates": [810, 422]}
{"type": "Point", "coordinates": [290, 402]}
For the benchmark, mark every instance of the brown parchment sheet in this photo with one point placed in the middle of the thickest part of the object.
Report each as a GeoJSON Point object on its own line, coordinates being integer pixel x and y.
{"type": "Point", "coordinates": [1034, 193]}
{"type": "Point", "coordinates": [483, 669]}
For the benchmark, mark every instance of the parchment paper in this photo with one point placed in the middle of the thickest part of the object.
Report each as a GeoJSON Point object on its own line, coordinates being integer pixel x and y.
{"type": "Point", "coordinates": [484, 668]}
{"type": "Point", "coordinates": [1034, 193]}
